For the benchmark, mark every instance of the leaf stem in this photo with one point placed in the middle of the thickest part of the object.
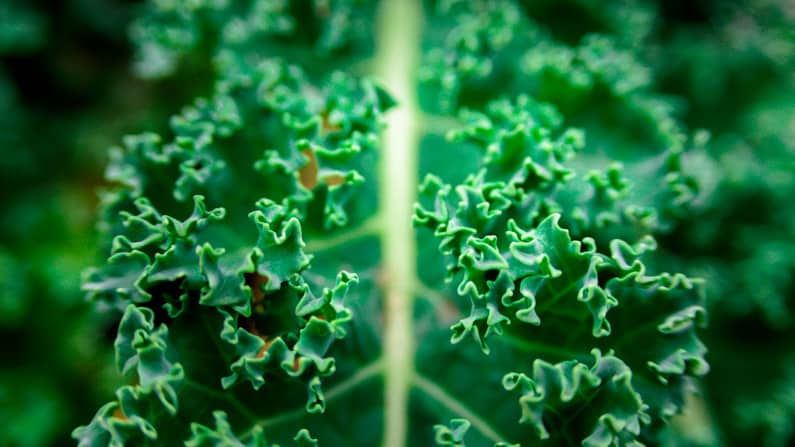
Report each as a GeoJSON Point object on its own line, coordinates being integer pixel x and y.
{"type": "Point", "coordinates": [366, 373]}
{"type": "Point", "coordinates": [369, 227]}
{"type": "Point", "coordinates": [221, 395]}
{"type": "Point", "coordinates": [459, 408]}
{"type": "Point", "coordinates": [431, 294]}
{"type": "Point", "coordinates": [541, 348]}
{"type": "Point", "coordinates": [398, 46]}
{"type": "Point", "coordinates": [361, 376]}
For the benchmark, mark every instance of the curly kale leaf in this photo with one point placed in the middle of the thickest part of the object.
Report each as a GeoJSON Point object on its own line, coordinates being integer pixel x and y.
{"type": "Point", "coordinates": [536, 307]}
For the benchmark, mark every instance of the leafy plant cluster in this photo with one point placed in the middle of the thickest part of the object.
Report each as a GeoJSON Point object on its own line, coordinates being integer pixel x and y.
{"type": "Point", "coordinates": [360, 222]}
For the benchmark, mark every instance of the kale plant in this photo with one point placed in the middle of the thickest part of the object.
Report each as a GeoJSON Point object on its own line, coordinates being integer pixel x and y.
{"type": "Point", "coordinates": [439, 222]}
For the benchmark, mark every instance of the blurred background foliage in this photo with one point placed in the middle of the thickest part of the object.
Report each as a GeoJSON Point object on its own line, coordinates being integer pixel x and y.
{"type": "Point", "coordinates": [66, 95]}
{"type": "Point", "coordinates": [74, 80]}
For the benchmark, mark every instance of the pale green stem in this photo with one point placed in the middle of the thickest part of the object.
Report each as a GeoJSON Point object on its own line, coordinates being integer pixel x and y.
{"type": "Point", "coordinates": [457, 407]}
{"type": "Point", "coordinates": [433, 295]}
{"type": "Point", "coordinates": [399, 27]}
{"type": "Point", "coordinates": [366, 373]}
{"type": "Point", "coordinates": [369, 227]}
{"type": "Point", "coordinates": [339, 389]}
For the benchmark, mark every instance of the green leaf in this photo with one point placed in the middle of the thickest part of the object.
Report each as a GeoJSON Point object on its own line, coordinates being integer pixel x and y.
{"type": "Point", "coordinates": [532, 303]}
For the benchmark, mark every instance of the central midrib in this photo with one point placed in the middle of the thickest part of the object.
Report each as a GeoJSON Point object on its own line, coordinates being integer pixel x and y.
{"type": "Point", "coordinates": [398, 46]}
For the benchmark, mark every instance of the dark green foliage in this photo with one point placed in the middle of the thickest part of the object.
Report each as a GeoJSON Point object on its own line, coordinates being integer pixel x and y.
{"type": "Point", "coordinates": [600, 250]}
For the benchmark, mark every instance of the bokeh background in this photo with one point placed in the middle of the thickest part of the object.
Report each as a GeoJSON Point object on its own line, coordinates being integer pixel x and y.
{"type": "Point", "coordinates": [71, 87]}
{"type": "Point", "coordinates": [67, 94]}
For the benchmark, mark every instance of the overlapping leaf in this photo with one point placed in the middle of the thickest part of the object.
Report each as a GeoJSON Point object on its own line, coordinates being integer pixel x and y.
{"type": "Point", "coordinates": [527, 277]}
{"type": "Point", "coordinates": [240, 285]}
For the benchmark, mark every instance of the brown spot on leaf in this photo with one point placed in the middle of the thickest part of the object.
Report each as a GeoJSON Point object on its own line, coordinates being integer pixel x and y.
{"type": "Point", "coordinates": [256, 282]}
{"type": "Point", "coordinates": [251, 326]}
{"type": "Point", "coordinates": [118, 413]}
{"type": "Point", "coordinates": [334, 180]}
{"type": "Point", "coordinates": [327, 126]}
{"type": "Point", "coordinates": [264, 348]}
{"type": "Point", "coordinates": [307, 175]}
